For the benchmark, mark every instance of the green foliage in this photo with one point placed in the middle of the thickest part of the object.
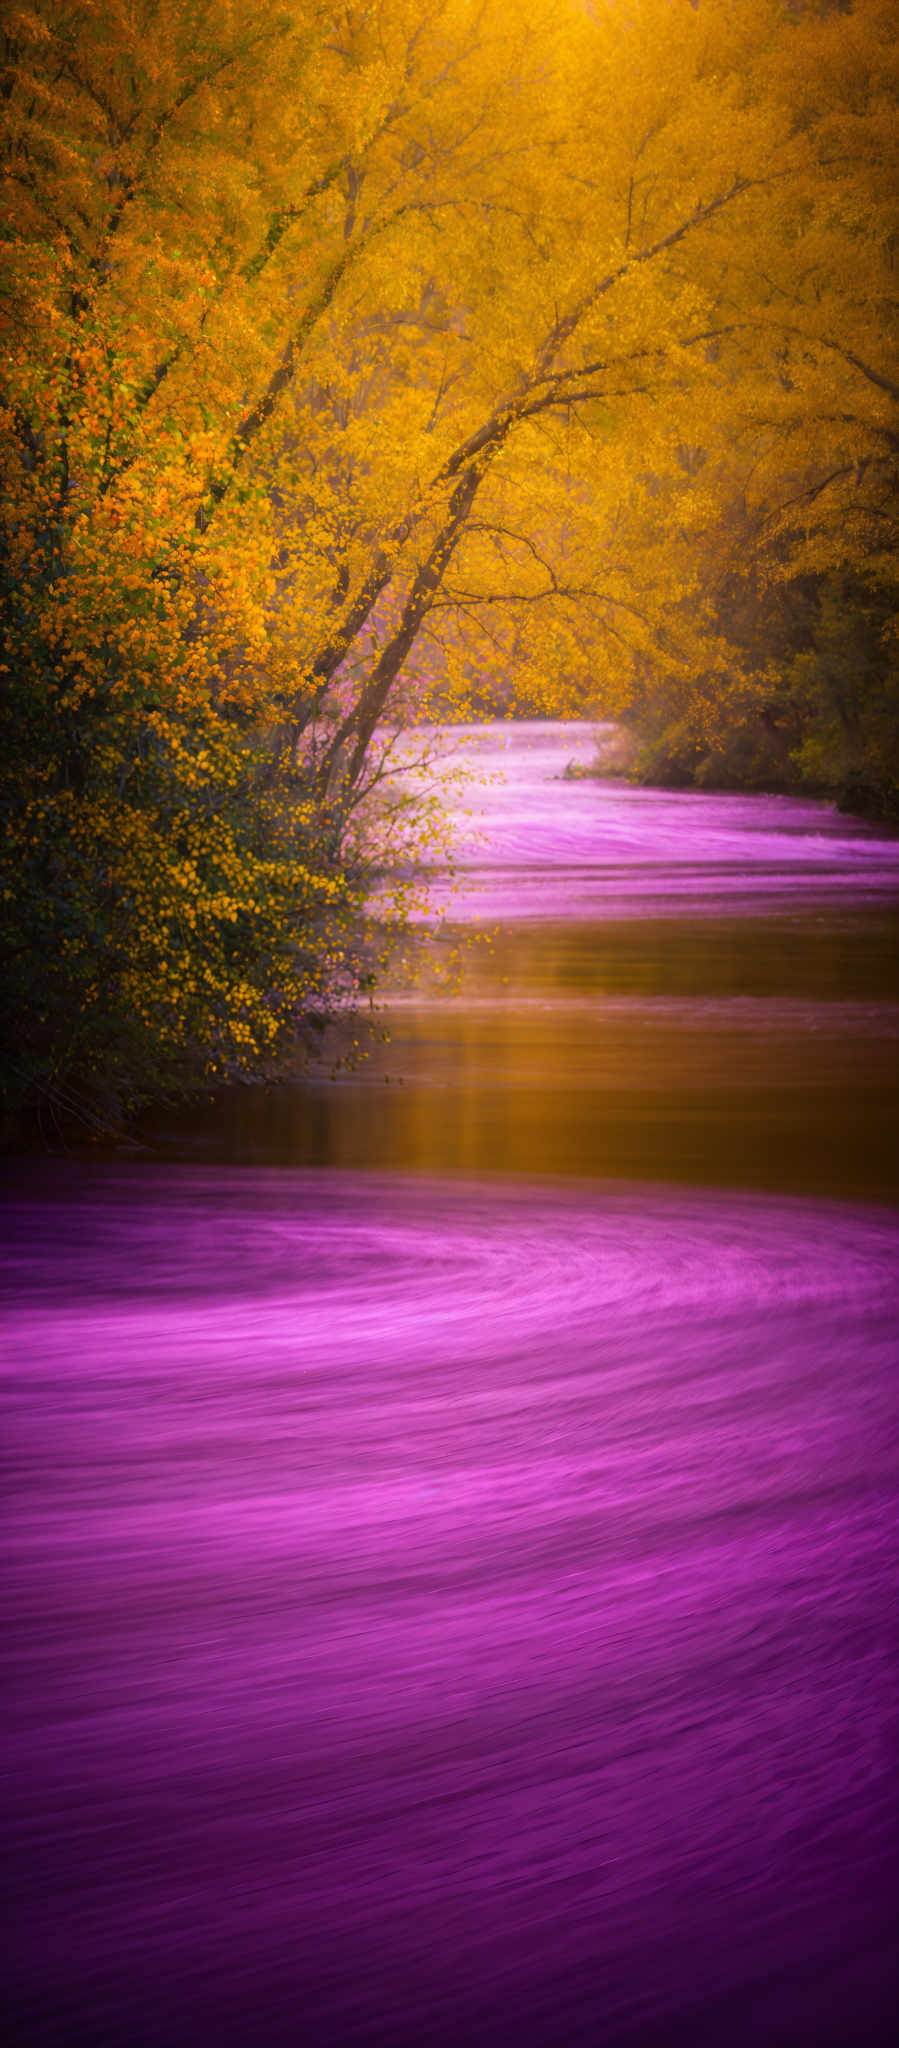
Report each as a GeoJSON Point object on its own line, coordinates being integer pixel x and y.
{"type": "Point", "coordinates": [813, 702]}
{"type": "Point", "coordinates": [845, 690]}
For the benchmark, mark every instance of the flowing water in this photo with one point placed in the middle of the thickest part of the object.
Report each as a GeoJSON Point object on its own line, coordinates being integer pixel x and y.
{"type": "Point", "coordinates": [452, 1511]}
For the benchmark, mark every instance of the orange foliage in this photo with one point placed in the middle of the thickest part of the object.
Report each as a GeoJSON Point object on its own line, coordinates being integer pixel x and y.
{"type": "Point", "coordinates": [351, 353]}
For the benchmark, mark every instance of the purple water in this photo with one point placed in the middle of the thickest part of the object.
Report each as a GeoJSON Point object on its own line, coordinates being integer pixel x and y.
{"type": "Point", "coordinates": [527, 847]}
{"type": "Point", "coordinates": [451, 1609]}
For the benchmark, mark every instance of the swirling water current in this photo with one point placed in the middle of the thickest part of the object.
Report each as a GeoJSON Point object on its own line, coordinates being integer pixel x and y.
{"type": "Point", "coordinates": [451, 1527]}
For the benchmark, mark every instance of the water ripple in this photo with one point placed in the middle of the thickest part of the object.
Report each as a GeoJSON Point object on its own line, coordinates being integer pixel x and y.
{"type": "Point", "coordinates": [449, 1609]}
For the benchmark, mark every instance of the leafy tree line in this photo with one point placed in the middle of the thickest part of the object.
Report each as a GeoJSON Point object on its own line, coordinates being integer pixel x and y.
{"type": "Point", "coordinates": [812, 702]}
{"type": "Point", "coordinates": [357, 356]}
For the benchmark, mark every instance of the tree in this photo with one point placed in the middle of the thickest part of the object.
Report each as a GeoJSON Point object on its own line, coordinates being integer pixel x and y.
{"type": "Point", "coordinates": [685, 348]}
{"type": "Point", "coordinates": [174, 909]}
{"type": "Point", "coordinates": [349, 349]}
{"type": "Point", "coordinates": [791, 516]}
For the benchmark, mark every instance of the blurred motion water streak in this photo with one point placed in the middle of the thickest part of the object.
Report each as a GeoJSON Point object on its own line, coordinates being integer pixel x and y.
{"type": "Point", "coordinates": [451, 1548]}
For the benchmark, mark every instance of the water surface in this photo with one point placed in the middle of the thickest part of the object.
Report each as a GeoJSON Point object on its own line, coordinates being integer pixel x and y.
{"type": "Point", "coordinates": [531, 844]}
{"type": "Point", "coordinates": [451, 1531]}
{"type": "Point", "coordinates": [627, 983]}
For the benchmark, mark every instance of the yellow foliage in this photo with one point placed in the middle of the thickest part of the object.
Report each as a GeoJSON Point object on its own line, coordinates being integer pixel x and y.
{"type": "Point", "coordinates": [368, 362]}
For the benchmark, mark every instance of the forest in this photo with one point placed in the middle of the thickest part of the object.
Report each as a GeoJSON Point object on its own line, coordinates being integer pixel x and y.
{"type": "Point", "coordinates": [409, 360]}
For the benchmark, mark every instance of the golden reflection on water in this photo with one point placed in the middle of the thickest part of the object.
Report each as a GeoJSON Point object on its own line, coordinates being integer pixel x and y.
{"type": "Point", "coordinates": [733, 1052]}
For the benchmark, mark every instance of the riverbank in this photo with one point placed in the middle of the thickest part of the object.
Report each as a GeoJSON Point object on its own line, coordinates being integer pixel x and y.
{"type": "Point", "coordinates": [746, 767]}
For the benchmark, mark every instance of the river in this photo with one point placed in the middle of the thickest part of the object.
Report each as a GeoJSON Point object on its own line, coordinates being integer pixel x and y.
{"type": "Point", "coordinates": [451, 1529]}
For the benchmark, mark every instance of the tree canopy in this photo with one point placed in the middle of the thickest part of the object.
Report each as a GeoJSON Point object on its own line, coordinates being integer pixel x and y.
{"type": "Point", "coordinates": [366, 360]}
